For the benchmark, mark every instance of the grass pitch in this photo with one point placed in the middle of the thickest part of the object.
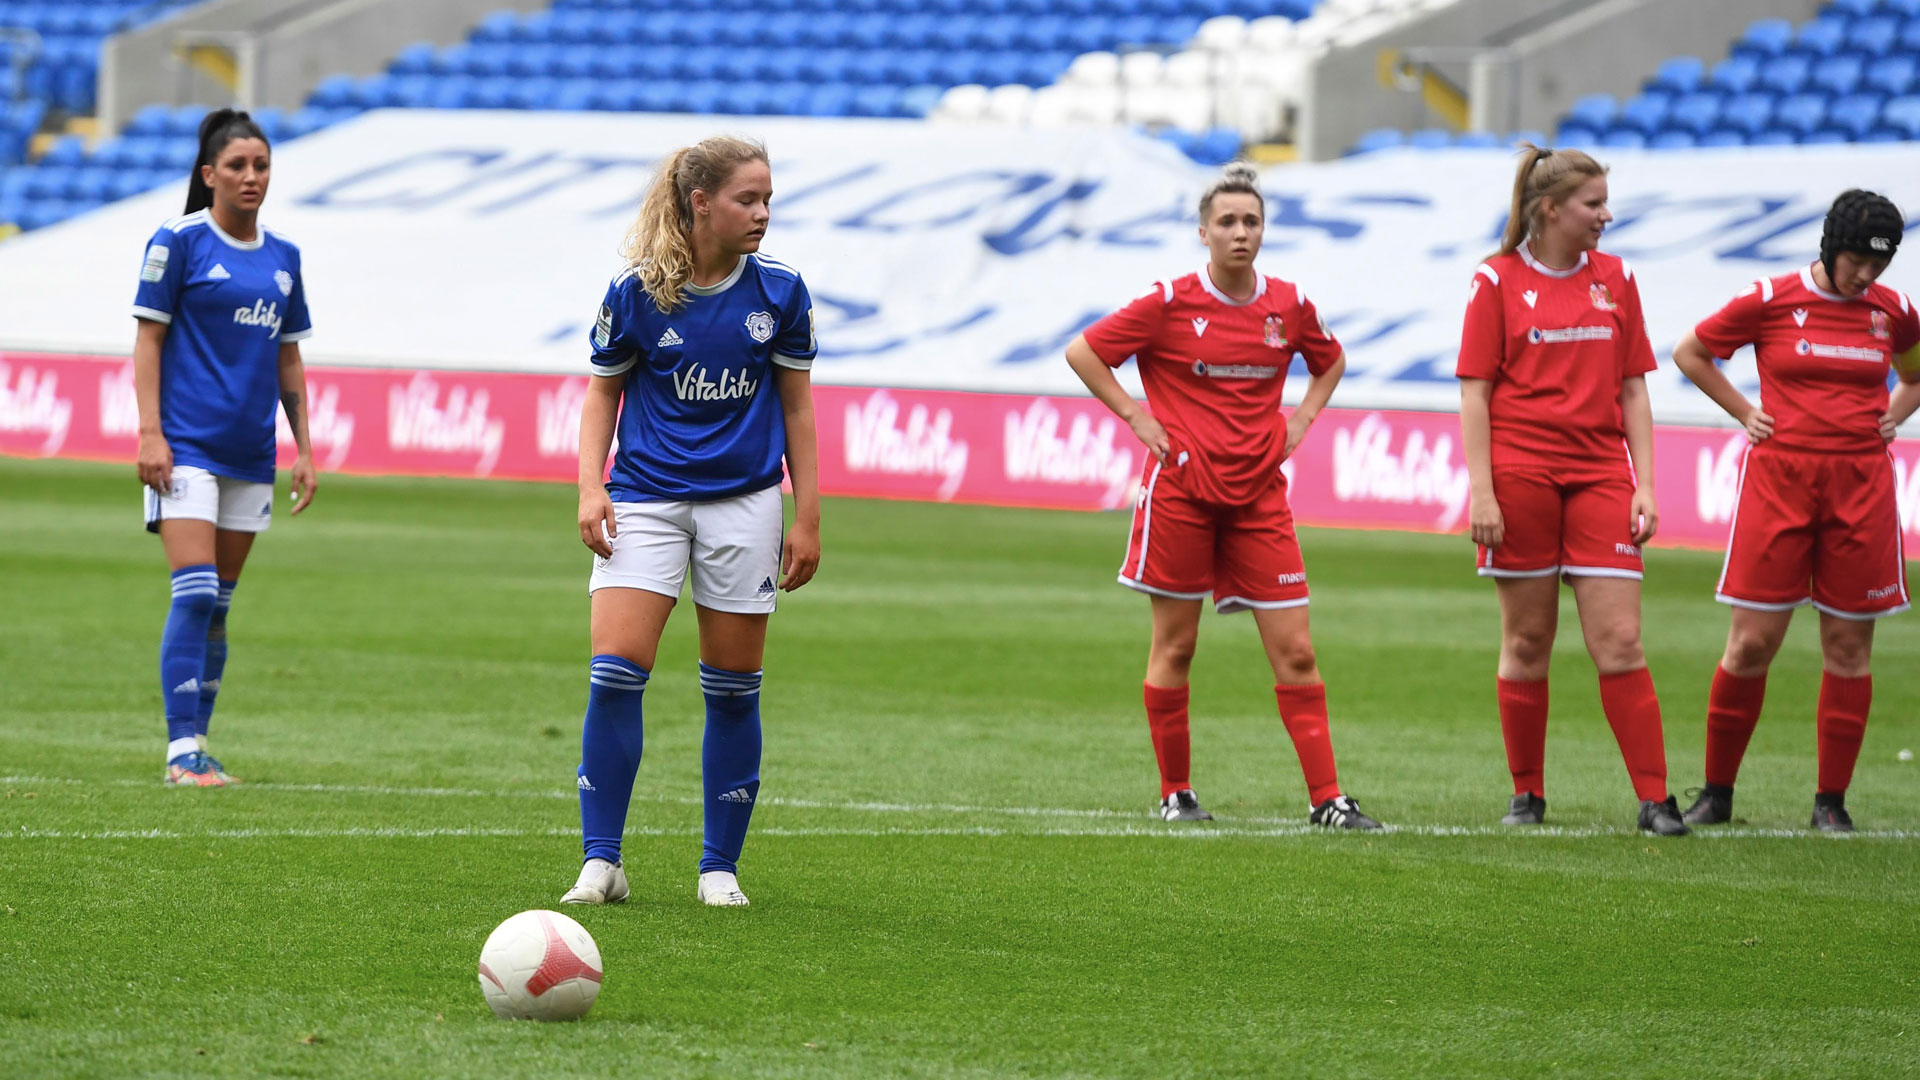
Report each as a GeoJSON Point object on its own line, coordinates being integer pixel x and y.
{"type": "Point", "coordinates": [953, 868]}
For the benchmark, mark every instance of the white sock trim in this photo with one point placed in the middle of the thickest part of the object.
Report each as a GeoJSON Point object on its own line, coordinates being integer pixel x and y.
{"type": "Point", "coordinates": [177, 747]}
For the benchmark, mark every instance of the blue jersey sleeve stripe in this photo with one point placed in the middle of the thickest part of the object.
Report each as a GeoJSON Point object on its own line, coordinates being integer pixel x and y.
{"type": "Point", "coordinates": [151, 314]}
{"type": "Point", "coordinates": [797, 363]}
{"type": "Point", "coordinates": [610, 370]}
{"type": "Point", "coordinates": [296, 335]}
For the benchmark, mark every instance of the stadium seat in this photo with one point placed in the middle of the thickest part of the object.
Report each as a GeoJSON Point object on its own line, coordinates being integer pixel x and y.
{"type": "Point", "coordinates": [1378, 139]}
{"type": "Point", "coordinates": [1774, 137]}
{"type": "Point", "coordinates": [1855, 114]}
{"type": "Point", "coordinates": [1746, 114]}
{"type": "Point", "coordinates": [1836, 74]}
{"type": "Point", "coordinates": [1800, 114]}
{"type": "Point", "coordinates": [1694, 113]}
{"type": "Point", "coordinates": [1577, 135]}
{"type": "Point", "coordinates": [1825, 136]}
{"type": "Point", "coordinates": [1723, 137]}
{"type": "Point", "coordinates": [1735, 75]}
{"type": "Point", "coordinates": [1680, 75]}
{"type": "Point", "coordinates": [1624, 139]}
{"type": "Point", "coordinates": [1430, 139]}
{"type": "Point", "coordinates": [1765, 39]}
{"type": "Point", "coordinates": [1873, 37]}
{"type": "Point", "coordinates": [1485, 140]}
{"type": "Point", "coordinates": [1594, 112]}
{"type": "Point", "coordinates": [1902, 114]}
{"type": "Point", "coordinates": [1645, 113]}
{"type": "Point", "coordinates": [1820, 37]}
{"type": "Point", "coordinates": [1785, 74]}
{"type": "Point", "coordinates": [1852, 8]}
{"type": "Point", "coordinates": [1891, 74]}
{"type": "Point", "coordinates": [1673, 140]}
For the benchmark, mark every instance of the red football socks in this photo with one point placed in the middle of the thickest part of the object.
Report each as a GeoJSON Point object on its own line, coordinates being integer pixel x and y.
{"type": "Point", "coordinates": [1523, 724]}
{"type": "Point", "coordinates": [1633, 711]}
{"type": "Point", "coordinates": [1303, 709]}
{"type": "Point", "coordinates": [1842, 722]}
{"type": "Point", "coordinates": [1733, 708]}
{"type": "Point", "coordinates": [1167, 722]}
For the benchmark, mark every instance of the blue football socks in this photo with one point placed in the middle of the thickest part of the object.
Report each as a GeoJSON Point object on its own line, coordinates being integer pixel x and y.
{"type": "Point", "coordinates": [610, 743]}
{"type": "Point", "coordinates": [183, 650]}
{"type": "Point", "coordinates": [216, 663]}
{"type": "Point", "coordinates": [729, 762]}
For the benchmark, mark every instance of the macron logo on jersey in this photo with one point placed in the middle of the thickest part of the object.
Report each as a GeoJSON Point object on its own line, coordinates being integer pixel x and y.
{"type": "Point", "coordinates": [695, 385]}
{"type": "Point", "coordinates": [260, 314]}
{"type": "Point", "coordinates": [669, 338]}
{"type": "Point", "coordinates": [1530, 296]}
{"type": "Point", "coordinates": [1199, 327]}
{"type": "Point", "coordinates": [1799, 316]}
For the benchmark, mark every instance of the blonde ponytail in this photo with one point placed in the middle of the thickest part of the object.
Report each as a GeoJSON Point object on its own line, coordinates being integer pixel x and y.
{"type": "Point", "coordinates": [659, 246]}
{"type": "Point", "coordinates": [1545, 176]}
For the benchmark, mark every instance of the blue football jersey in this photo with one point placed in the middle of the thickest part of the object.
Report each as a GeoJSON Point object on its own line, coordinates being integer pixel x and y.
{"type": "Point", "coordinates": [699, 416]}
{"type": "Point", "coordinates": [228, 305]}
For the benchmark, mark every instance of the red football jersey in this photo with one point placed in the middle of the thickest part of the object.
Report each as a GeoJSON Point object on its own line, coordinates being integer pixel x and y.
{"type": "Point", "coordinates": [1214, 368]}
{"type": "Point", "coordinates": [1823, 358]}
{"type": "Point", "coordinates": [1556, 344]}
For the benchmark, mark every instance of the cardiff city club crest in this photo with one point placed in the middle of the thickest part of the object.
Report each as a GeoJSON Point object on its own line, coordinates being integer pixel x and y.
{"type": "Point", "coordinates": [285, 281]}
{"type": "Point", "coordinates": [1276, 336]}
{"type": "Point", "coordinates": [1881, 328]}
{"type": "Point", "coordinates": [1602, 299]}
{"type": "Point", "coordinates": [760, 325]}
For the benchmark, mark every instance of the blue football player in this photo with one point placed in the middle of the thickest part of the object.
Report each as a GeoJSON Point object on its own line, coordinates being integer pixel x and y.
{"type": "Point", "coordinates": [221, 310]}
{"type": "Point", "coordinates": [701, 352]}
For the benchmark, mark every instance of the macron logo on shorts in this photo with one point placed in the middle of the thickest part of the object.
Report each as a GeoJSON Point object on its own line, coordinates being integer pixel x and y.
{"type": "Point", "coordinates": [1884, 592]}
{"type": "Point", "coordinates": [1293, 579]}
{"type": "Point", "coordinates": [1626, 549]}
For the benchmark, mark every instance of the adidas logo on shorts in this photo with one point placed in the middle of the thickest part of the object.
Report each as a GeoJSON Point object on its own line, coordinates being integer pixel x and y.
{"type": "Point", "coordinates": [766, 587]}
{"type": "Point", "coordinates": [669, 338]}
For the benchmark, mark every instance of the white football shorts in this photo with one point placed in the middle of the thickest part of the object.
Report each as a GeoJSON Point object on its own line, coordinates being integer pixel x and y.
{"type": "Point", "coordinates": [198, 495]}
{"type": "Point", "coordinates": [733, 546]}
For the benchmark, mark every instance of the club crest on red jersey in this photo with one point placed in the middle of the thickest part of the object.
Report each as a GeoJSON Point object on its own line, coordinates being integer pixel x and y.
{"type": "Point", "coordinates": [1276, 336]}
{"type": "Point", "coordinates": [1602, 298]}
{"type": "Point", "coordinates": [1881, 327]}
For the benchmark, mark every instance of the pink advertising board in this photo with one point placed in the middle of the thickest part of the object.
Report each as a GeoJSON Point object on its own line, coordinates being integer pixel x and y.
{"type": "Point", "coordinates": [1358, 469]}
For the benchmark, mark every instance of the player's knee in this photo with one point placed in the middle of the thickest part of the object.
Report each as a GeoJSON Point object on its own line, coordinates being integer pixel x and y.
{"type": "Point", "coordinates": [1846, 653]}
{"type": "Point", "coordinates": [1749, 650]}
{"type": "Point", "coordinates": [1529, 645]}
{"type": "Point", "coordinates": [1293, 657]}
{"type": "Point", "coordinates": [1616, 646]}
{"type": "Point", "coordinates": [1175, 650]}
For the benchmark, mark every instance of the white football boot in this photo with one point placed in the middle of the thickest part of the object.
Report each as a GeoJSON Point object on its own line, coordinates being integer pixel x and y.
{"type": "Point", "coordinates": [601, 882]}
{"type": "Point", "coordinates": [718, 888]}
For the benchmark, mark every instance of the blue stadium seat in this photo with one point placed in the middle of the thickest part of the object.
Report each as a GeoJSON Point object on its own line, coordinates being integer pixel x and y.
{"type": "Point", "coordinates": [1473, 140]}
{"type": "Point", "coordinates": [1852, 8]}
{"type": "Point", "coordinates": [1785, 74]}
{"type": "Point", "coordinates": [1902, 114]}
{"type": "Point", "coordinates": [1873, 37]}
{"type": "Point", "coordinates": [1764, 39]}
{"type": "Point", "coordinates": [1624, 139]}
{"type": "Point", "coordinates": [184, 120]}
{"type": "Point", "coordinates": [1820, 37]}
{"type": "Point", "coordinates": [1883, 135]}
{"type": "Point", "coordinates": [1910, 37]}
{"type": "Point", "coordinates": [1384, 139]}
{"type": "Point", "coordinates": [68, 150]}
{"type": "Point", "coordinates": [1577, 135]}
{"type": "Point", "coordinates": [1528, 135]}
{"type": "Point", "coordinates": [1747, 114]}
{"type": "Point", "coordinates": [1722, 137]}
{"type": "Point", "coordinates": [1824, 136]}
{"type": "Point", "coordinates": [1774, 137]}
{"type": "Point", "coordinates": [1645, 113]}
{"type": "Point", "coordinates": [1836, 74]}
{"type": "Point", "coordinates": [1801, 114]}
{"type": "Point", "coordinates": [415, 59]}
{"type": "Point", "coordinates": [1430, 139]}
{"type": "Point", "coordinates": [1891, 74]}
{"type": "Point", "coordinates": [333, 91]}
{"type": "Point", "coordinates": [1594, 111]}
{"type": "Point", "coordinates": [1680, 75]}
{"type": "Point", "coordinates": [1854, 114]}
{"type": "Point", "coordinates": [150, 120]}
{"type": "Point", "coordinates": [834, 99]}
{"type": "Point", "coordinates": [1694, 113]}
{"type": "Point", "coordinates": [1906, 9]}
{"type": "Point", "coordinates": [1673, 140]}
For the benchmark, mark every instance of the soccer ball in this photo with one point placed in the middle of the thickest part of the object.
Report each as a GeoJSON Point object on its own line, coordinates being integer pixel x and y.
{"type": "Point", "coordinates": [540, 965]}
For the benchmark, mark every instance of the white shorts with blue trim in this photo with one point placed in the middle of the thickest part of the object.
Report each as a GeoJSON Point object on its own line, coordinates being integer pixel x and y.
{"type": "Point", "coordinates": [732, 546]}
{"type": "Point", "coordinates": [198, 495]}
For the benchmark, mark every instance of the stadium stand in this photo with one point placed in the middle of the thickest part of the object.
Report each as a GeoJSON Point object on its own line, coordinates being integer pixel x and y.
{"type": "Point", "coordinates": [863, 58]}
{"type": "Point", "coordinates": [1849, 75]}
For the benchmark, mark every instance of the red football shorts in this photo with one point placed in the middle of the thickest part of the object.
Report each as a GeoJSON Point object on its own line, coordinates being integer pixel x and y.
{"type": "Point", "coordinates": [1245, 555]}
{"type": "Point", "coordinates": [1819, 528]}
{"type": "Point", "coordinates": [1578, 527]}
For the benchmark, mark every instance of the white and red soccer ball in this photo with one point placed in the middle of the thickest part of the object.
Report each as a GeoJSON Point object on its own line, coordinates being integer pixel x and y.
{"type": "Point", "coordinates": [540, 965]}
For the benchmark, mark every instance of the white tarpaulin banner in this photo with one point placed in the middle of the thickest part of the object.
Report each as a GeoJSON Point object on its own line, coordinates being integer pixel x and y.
{"type": "Point", "coordinates": [939, 256]}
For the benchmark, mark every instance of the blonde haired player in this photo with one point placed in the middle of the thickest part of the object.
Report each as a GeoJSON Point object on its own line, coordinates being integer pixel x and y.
{"type": "Point", "coordinates": [1213, 349]}
{"type": "Point", "coordinates": [1558, 436]}
{"type": "Point", "coordinates": [701, 354]}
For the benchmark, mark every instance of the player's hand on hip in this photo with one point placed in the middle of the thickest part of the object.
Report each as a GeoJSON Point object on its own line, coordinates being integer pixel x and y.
{"type": "Point", "coordinates": [799, 556]}
{"type": "Point", "coordinates": [1760, 427]}
{"type": "Point", "coordinates": [1150, 432]}
{"type": "Point", "coordinates": [1297, 426]}
{"type": "Point", "coordinates": [155, 463]}
{"type": "Point", "coordinates": [1485, 522]}
{"type": "Point", "coordinates": [1889, 430]}
{"type": "Point", "coordinates": [597, 527]}
{"type": "Point", "coordinates": [305, 482]}
{"type": "Point", "coordinates": [1644, 517]}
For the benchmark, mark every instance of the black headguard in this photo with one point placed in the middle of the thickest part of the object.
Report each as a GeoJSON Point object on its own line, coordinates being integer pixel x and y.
{"type": "Point", "coordinates": [1863, 223]}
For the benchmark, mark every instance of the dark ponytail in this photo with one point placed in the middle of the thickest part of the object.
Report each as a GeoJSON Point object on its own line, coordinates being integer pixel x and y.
{"type": "Point", "coordinates": [220, 127]}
